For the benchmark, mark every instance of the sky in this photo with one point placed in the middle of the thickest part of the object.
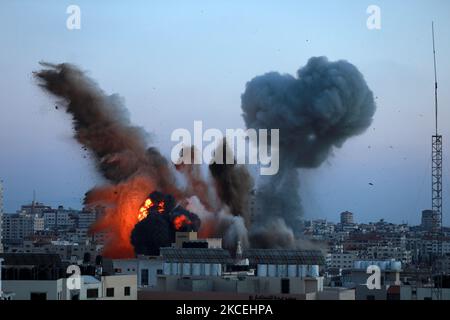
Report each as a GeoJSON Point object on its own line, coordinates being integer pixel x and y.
{"type": "Point", "coordinates": [175, 62]}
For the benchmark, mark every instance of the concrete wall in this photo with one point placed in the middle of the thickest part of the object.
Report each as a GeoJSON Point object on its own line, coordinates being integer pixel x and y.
{"type": "Point", "coordinates": [23, 288]}
{"type": "Point", "coordinates": [119, 283]}
{"type": "Point", "coordinates": [406, 293]}
{"type": "Point", "coordinates": [250, 285]}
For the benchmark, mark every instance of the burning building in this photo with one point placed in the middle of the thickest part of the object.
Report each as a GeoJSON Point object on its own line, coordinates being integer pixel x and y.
{"type": "Point", "coordinates": [159, 219]}
{"type": "Point", "coordinates": [144, 206]}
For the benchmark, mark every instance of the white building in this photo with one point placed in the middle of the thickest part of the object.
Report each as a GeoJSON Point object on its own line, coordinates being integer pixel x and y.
{"type": "Point", "coordinates": [147, 269]}
{"type": "Point", "coordinates": [106, 288]}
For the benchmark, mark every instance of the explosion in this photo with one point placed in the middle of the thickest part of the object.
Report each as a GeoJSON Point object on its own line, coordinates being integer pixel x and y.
{"type": "Point", "coordinates": [163, 217]}
{"type": "Point", "coordinates": [327, 103]}
{"type": "Point", "coordinates": [143, 211]}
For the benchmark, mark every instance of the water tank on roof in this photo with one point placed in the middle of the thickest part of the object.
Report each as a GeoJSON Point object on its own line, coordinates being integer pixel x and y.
{"type": "Point", "coordinates": [315, 271]}
{"type": "Point", "coordinates": [207, 269]}
{"type": "Point", "coordinates": [216, 269]}
{"type": "Point", "coordinates": [396, 265]}
{"type": "Point", "coordinates": [261, 270]}
{"type": "Point", "coordinates": [272, 270]}
{"type": "Point", "coordinates": [292, 271]}
{"type": "Point", "coordinates": [186, 269]}
{"type": "Point", "coordinates": [196, 269]}
{"type": "Point", "coordinates": [302, 271]}
{"type": "Point", "coordinates": [281, 270]}
{"type": "Point", "coordinates": [174, 268]}
{"type": "Point", "coordinates": [166, 268]}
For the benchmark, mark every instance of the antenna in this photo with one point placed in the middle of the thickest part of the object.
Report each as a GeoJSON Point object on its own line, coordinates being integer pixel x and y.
{"type": "Point", "coordinates": [435, 80]}
{"type": "Point", "coordinates": [436, 176]}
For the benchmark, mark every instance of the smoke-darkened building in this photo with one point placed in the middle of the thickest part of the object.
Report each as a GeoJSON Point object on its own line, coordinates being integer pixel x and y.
{"type": "Point", "coordinates": [347, 218]}
{"type": "Point", "coordinates": [431, 221]}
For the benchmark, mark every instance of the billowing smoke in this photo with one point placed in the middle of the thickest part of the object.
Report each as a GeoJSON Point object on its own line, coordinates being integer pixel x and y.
{"type": "Point", "coordinates": [196, 183]}
{"type": "Point", "coordinates": [162, 217]}
{"type": "Point", "coordinates": [101, 124]}
{"type": "Point", "coordinates": [319, 109]}
{"type": "Point", "coordinates": [322, 107]}
{"type": "Point", "coordinates": [224, 213]}
{"type": "Point", "coordinates": [221, 223]}
{"type": "Point", "coordinates": [233, 182]}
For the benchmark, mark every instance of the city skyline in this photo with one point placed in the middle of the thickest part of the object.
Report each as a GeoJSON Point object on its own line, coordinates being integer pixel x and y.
{"type": "Point", "coordinates": [389, 165]}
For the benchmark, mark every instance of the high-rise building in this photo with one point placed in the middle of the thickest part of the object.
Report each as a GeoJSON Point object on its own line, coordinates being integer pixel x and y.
{"type": "Point", "coordinates": [347, 218]}
{"type": "Point", "coordinates": [16, 227]}
{"type": "Point", "coordinates": [431, 221]}
{"type": "Point", "coordinates": [59, 219]}
{"type": "Point", "coordinates": [86, 218]}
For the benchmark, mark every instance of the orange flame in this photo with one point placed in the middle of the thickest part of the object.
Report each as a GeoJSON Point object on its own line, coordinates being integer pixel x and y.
{"type": "Point", "coordinates": [161, 207]}
{"type": "Point", "coordinates": [143, 211]}
{"type": "Point", "coordinates": [180, 221]}
{"type": "Point", "coordinates": [121, 203]}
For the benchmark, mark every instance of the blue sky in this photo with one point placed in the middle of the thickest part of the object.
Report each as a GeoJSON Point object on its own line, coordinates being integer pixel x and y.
{"type": "Point", "coordinates": [179, 61]}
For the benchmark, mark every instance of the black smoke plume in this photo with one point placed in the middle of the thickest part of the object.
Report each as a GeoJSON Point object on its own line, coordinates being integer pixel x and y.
{"type": "Point", "coordinates": [158, 229]}
{"type": "Point", "coordinates": [327, 103]}
{"type": "Point", "coordinates": [233, 182]}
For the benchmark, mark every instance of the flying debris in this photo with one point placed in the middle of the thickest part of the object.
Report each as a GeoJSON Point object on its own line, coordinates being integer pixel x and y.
{"type": "Point", "coordinates": [144, 205]}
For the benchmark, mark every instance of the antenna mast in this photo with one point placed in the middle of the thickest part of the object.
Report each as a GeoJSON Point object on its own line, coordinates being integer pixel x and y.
{"type": "Point", "coordinates": [435, 81]}
{"type": "Point", "coordinates": [436, 175]}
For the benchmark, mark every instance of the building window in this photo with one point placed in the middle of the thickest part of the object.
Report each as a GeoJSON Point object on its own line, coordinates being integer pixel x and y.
{"type": "Point", "coordinates": [38, 296]}
{"type": "Point", "coordinates": [110, 292]}
{"type": "Point", "coordinates": [127, 291]}
{"type": "Point", "coordinates": [285, 286]}
{"type": "Point", "coordinates": [144, 277]}
{"type": "Point", "coordinates": [92, 293]}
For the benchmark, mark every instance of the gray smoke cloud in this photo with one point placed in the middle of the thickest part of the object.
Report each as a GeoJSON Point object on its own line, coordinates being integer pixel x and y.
{"type": "Point", "coordinates": [233, 182]}
{"type": "Point", "coordinates": [318, 110]}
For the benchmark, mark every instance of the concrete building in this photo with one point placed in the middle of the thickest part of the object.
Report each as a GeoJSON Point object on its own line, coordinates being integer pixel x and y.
{"type": "Point", "coordinates": [282, 273]}
{"type": "Point", "coordinates": [147, 269]}
{"type": "Point", "coordinates": [86, 218]}
{"type": "Point", "coordinates": [443, 264]}
{"type": "Point", "coordinates": [59, 219]}
{"type": "Point", "coordinates": [67, 251]}
{"type": "Point", "coordinates": [15, 227]}
{"type": "Point", "coordinates": [389, 279]}
{"type": "Point", "coordinates": [342, 261]}
{"type": "Point", "coordinates": [431, 221]}
{"type": "Point", "coordinates": [347, 218]}
{"type": "Point", "coordinates": [389, 252]}
{"type": "Point", "coordinates": [189, 240]}
{"type": "Point", "coordinates": [422, 293]}
{"type": "Point", "coordinates": [119, 287]}
{"type": "Point", "coordinates": [34, 208]}
{"type": "Point", "coordinates": [44, 277]}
